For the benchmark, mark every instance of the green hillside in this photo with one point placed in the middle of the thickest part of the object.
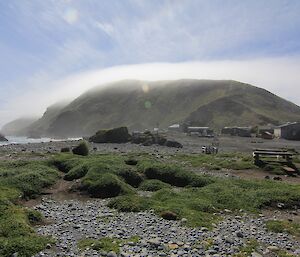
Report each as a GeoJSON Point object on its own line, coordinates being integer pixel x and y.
{"type": "Point", "coordinates": [17, 127]}
{"type": "Point", "coordinates": [142, 104]}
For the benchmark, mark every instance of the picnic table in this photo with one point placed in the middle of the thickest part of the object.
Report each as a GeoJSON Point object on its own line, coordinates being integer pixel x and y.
{"type": "Point", "coordinates": [285, 154]}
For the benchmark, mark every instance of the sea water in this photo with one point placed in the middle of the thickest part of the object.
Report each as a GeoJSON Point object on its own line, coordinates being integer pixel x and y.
{"type": "Point", "coordinates": [26, 140]}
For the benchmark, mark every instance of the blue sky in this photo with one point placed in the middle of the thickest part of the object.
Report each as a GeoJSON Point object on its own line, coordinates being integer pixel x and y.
{"type": "Point", "coordinates": [45, 43]}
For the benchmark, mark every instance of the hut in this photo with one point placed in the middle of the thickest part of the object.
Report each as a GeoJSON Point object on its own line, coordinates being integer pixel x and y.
{"type": "Point", "coordinates": [289, 131]}
{"type": "Point", "coordinates": [200, 131]}
{"type": "Point", "coordinates": [237, 131]}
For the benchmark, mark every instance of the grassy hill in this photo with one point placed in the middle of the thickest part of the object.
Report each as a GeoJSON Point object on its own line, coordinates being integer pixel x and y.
{"type": "Point", "coordinates": [17, 127]}
{"type": "Point", "coordinates": [142, 104]}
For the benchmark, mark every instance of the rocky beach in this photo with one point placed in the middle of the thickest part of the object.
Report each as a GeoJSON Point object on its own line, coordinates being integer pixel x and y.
{"type": "Point", "coordinates": [73, 220]}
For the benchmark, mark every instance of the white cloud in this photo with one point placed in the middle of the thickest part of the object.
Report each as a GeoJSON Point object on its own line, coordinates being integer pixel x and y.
{"type": "Point", "coordinates": [106, 27]}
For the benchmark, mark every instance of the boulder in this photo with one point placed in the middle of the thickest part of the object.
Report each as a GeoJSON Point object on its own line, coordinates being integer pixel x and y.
{"type": "Point", "coordinates": [172, 143]}
{"type": "Point", "coordinates": [2, 138]}
{"type": "Point", "coordinates": [81, 149]}
{"type": "Point", "coordinates": [116, 135]}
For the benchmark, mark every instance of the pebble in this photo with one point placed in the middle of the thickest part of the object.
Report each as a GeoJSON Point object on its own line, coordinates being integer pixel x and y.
{"type": "Point", "coordinates": [74, 220]}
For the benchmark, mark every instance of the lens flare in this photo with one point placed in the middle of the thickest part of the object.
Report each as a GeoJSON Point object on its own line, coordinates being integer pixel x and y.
{"type": "Point", "coordinates": [148, 104]}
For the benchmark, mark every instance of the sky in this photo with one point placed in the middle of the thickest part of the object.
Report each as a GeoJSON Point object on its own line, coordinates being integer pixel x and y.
{"type": "Point", "coordinates": [56, 49]}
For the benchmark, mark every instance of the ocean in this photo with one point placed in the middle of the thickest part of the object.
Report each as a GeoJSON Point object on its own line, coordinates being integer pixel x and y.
{"type": "Point", "coordinates": [25, 140]}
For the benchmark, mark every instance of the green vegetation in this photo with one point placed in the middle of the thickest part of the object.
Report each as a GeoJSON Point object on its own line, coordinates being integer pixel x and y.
{"type": "Point", "coordinates": [106, 243]}
{"type": "Point", "coordinates": [173, 175]}
{"type": "Point", "coordinates": [245, 251]}
{"type": "Point", "coordinates": [81, 149]}
{"type": "Point", "coordinates": [198, 199]}
{"type": "Point", "coordinates": [274, 168]}
{"type": "Point", "coordinates": [153, 185]}
{"type": "Point", "coordinates": [108, 175]}
{"type": "Point", "coordinates": [22, 179]}
{"type": "Point", "coordinates": [102, 176]}
{"type": "Point", "coordinates": [106, 185]}
{"type": "Point", "coordinates": [233, 161]}
{"type": "Point", "coordinates": [198, 204]}
{"type": "Point", "coordinates": [65, 150]}
{"type": "Point", "coordinates": [28, 177]}
{"type": "Point", "coordinates": [281, 226]}
{"type": "Point", "coordinates": [130, 203]}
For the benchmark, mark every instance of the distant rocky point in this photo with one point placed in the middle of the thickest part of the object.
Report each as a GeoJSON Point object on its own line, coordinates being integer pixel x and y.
{"type": "Point", "coordinates": [3, 139]}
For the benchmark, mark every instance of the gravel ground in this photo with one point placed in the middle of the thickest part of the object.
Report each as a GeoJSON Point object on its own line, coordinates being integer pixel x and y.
{"type": "Point", "coordinates": [191, 144]}
{"type": "Point", "coordinates": [73, 220]}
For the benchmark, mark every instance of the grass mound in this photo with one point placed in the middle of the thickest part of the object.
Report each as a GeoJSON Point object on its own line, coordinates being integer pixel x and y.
{"type": "Point", "coordinates": [198, 204]}
{"type": "Point", "coordinates": [234, 161]}
{"type": "Point", "coordinates": [22, 179]}
{"type": "Point", "coordinates": [282, 226]}
{"type": "Point", "coordinates": [106, 244]}
{"type": "Point", "coordinates": [93, 170]}
{"type": "Point", "coordinates": [174, 175]}
{"type": "Point", "coordinates": [153, 185]}
{"type": "Point", "coordinates": [29, 178]}
{"type": "Point", "coordinates": [81, 149]}
{"type": "Point", "coordinates": [77, 172]}
{"type": "Point", "coordinates": [130, 203]}
{"type": "Point", "coordinates": [65, 162]}
{"type": "Point", "coordinates": [107, 185]}
{"type": "Point", "coordinates": [130, 176]}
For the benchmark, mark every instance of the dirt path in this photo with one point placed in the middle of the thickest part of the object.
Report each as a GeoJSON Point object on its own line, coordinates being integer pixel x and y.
{"type": "Point", "coordinates": [61, 190]}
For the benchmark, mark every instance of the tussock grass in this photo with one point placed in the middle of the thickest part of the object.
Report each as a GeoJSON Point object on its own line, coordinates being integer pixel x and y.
{"type": "Point", "coordinates": [235, 161]}
{"type": "Point", "coordinates": [281, 226]}
{"type": "Point", "coordinates": [173, 175]}
{"type": "Point", "coordinates": [199, 204]}
{"type": "Point", "coordinates": [106, 244]}
{"type": "Point", "coordinates": [153, 185]}
{"type": "Point", "coordinates": [22, 179]}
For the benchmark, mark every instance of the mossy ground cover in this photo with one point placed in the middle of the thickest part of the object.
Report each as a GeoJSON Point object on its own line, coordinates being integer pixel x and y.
{"type": "Point", "coordinates": [176, 190]}
{"type": "Point", "coordinates": [198, 205]}
{"type": "Point", "coordinates": [235, 161]}
{"type": "Point", "coordinates": [21, 179]}
{"type": "Point", "coordinates": [106, 243]}
{"type": "Point", "coordinates": [108, 175]}
{"type": "Point", "coordinates": [253, 245]}
{"type": "Point", "coordinates": [198, 199]}
{"type": "Point", "coordinates": [284, 226]}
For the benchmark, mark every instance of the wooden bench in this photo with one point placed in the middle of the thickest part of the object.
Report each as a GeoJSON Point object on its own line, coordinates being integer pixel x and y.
{"type": "Point", "coordinates": [285, 154]}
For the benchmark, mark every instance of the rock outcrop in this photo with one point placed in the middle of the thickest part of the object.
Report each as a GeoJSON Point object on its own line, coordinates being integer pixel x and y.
{"type": "Point", "coordinates": [3, 139]}
{"type": "Point", "coordinates": [116, 135]}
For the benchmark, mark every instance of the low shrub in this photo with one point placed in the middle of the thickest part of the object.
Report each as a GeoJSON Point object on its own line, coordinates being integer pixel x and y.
{"type": "Point", "coordinates": [106, 244]}
{"type": "Point", "coordinates": [282, 226]}
{"type": "Point", "coordinates": [16, 235]}
{"type": "Point", "coordinates": [129, 203]}
{"type": "Point", "coordinates": [132, 162]}
{"type": "Point", "coordinates": [77, 172]}
{"type": "Point", "coordinates": [65, 150]}
{"type": "Point", "coordinates": [131, 177]}
{"type": "Point", "coordinates": [31, 179]}
{"type": "Point", "coordinates": [65, 163]}
{"type": "Point", "coordinates": [153, 185]}
{"type": "Point", "coordinates": [169, 215]}
{"type": "Point", "coordinates": [34, 217]}
{"type": "Point", "coordinates": [81, 149]}
{"type": "Point", "coordinates": [171, 143]}
{"type": "Point", "coordinates": [107, 185]}
{"type": "Point", "coordinates": [175, 175]}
